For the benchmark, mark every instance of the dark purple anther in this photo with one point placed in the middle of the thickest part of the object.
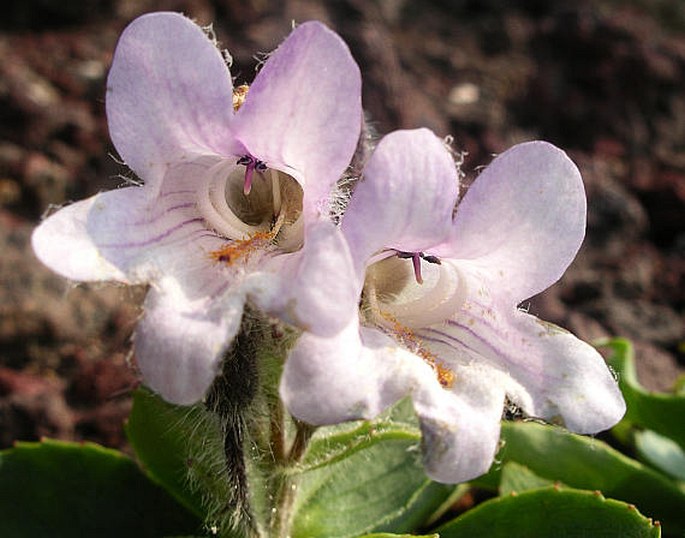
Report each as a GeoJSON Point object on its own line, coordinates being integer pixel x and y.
{"type": "Point", "coordinates": [416, 258]}
{"type": "Point", "coordinates": [251, 164]}
{"type": "Point", "coordinates": [430, 258]}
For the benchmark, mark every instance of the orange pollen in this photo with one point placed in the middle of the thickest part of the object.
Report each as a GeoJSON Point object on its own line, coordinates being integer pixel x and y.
{"type": "Point", "coordinates": [445, 376]}
{"type": "Point", "coordinates": [239, 96]}
{"type": "Point", "coordinates": [242, 248]}
{"type": "Point", "coordinates": [409, 340]}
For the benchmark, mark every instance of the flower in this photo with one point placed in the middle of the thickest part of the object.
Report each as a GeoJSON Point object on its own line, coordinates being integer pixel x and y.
{"type": "Point", "coordinates": [438, 294]}
{"type": "Point", "coordinates": [235, 182]}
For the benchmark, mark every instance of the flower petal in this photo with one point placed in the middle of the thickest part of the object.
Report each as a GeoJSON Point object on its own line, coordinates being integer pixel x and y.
{"type": "Point", "coordinates": [127, 236]}
{"type": "Point", "coordinates": [331, 380]}
{"type": "Point", "coordinates": [180, 343]}
{"type": "Point", "coordinates": [406, 197]}
{"type": "Point", "coordinates": [460, 427]}
{"type": "Point", "coordinates": [62, 242]}
{"type": "Point", "coordinates": [546, 370]}
{"type": "Point", "coordinates": [315, 289]}
{"type": "Point", "coordinates": [303, 112]}
{"type": "Point", "coordinates": [523, 219]}
{"type": "Point", "coordinates": [169, 95]}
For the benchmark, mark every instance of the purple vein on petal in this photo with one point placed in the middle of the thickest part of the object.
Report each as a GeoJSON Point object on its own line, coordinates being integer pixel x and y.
{"type": "Point", "coordinates": [213, 235]}
{"type": "Point", "coordinates": [174, 193]}
{"type": "Point", "coordinates": [220, 290]}
{"type": "Point", "coordinates": [164, 213]}
{"type": "Point", "coordinates": [533, 372]}
{"type": "Point", "coordinates": [155, 239]}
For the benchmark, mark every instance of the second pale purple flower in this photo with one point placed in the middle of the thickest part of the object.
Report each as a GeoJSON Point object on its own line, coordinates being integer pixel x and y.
{"type": "Point", "coordinates": [438, 294]}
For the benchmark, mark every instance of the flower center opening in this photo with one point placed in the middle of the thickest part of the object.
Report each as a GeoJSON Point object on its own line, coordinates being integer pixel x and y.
{"type": "Point", "coordinates": [402, 293]}
{"type": "Point", "coordinates": [416, 289]}
{"type": "Point", "coordinates": [269, 213]}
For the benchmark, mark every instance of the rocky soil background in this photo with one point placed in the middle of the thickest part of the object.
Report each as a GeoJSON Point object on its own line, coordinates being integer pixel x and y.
{"type": "Point", "coordinates": [604, 80]}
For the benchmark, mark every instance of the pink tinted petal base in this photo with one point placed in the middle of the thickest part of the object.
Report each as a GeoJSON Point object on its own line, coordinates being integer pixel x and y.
{"type": "Point", "coordinates": [303, 111]}
{"type": "Point", "coordinates": [405, 198]}
{"type": "Point", "coordinates": [179, 343]}
{"type": "Point", "coordinates": [169, 95]}
{"type": "Point", "coordinates": [522, 220]}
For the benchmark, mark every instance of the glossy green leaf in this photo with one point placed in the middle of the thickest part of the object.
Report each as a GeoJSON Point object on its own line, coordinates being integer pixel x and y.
{"type": "Point", "coordinates": [361, 478]}
{"type": "Point", "coordinates": [661, 453]}
{"type": "Point", "coordinates": [60, 489]}
{"type": "Point", "coordinates": [659, 412]}
{"type": "Point", "coordinates": [517, 478]}
{"type": "Point", "coordinates": [587, 463]}
{"type": "Point", "coordinates": [551, 512]}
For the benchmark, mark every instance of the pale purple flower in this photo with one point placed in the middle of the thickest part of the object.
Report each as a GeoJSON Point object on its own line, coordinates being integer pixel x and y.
{"type": "Point", "coordinates": [457, 343]}
{"type": "Point", "coordinates": [191, 231]}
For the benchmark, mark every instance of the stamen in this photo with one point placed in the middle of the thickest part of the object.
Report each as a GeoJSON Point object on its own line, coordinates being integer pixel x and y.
{"type": "Point", "coordinates": [416, 262]}
{"type": "Point", "coordinates": [408, 339]}
{"type": "Point", "coordinates": [446, 376]}
{"type": "Point", "coordinates": [251, 164]}
{"type": "Point", "coordinates": [278, 222]}
{"type": "Point", "coordinates": [242, 248]}
{"type": "Point", "coordinates": [247, 187]}
{"type": "Point", "coordinates": [416, 258]}
{"type": "Point", "coordinates": [276, 191]}
{"type": "Point", "coordinates": [239, 96]}
{"type": "Point", "coordinates": [431, 259]}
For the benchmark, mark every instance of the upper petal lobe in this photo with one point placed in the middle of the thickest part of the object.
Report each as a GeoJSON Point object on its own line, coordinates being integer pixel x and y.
{"type": "Point", "coordinates": [522, 219]}
{"type": "Point", "coordinates": [406, 197]}
{"type": "Point", "coordinates": [303, 111]}
{"type": "Point", "coordinates": [169, 95]}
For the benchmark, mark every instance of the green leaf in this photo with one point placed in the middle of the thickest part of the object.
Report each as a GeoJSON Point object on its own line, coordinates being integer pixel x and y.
{"type": "Point", "coordinates": [517, 478]}
{"type": "Point", "coordinates": [181, 448]}
{"type": "Point", "coordinates": [659, 412]}
{"type": "Point", "coordinates": [159, 434]}
{"type": "Point", "coordinates": [386, 535]}
{"type": "Point", "coordinates": [60, 489]}
{"type": "Point", "coordinates": [661, 452]}
{"type": "Point", "coordinates": [458, 491]}
{"type": "Point", "coordinates": [360, 478]}
{"type": "Point", "coordinates": [587, 463]}
{"type": "Point", "coordinates": [551, 512]}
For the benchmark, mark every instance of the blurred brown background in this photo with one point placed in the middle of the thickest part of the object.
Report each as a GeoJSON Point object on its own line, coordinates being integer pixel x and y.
{"type": "Point", "coordinates": [604, 80]}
